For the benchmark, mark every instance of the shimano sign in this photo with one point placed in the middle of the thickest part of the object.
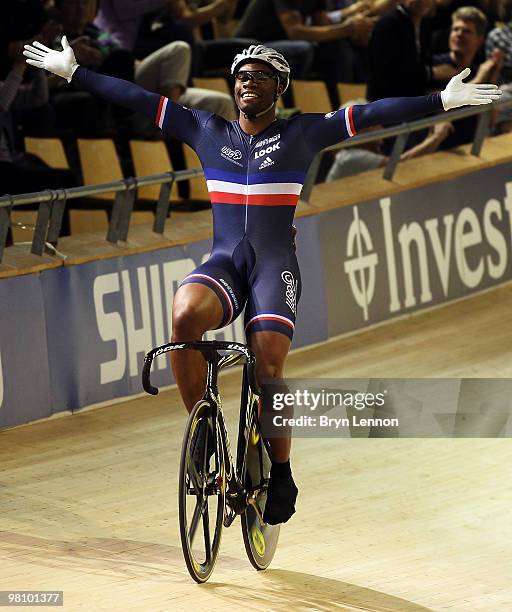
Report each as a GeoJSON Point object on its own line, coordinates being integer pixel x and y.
{"type": "Point", "coordinates": [143, 319]}
{"type": "Point", "coordinates": [118, 310]}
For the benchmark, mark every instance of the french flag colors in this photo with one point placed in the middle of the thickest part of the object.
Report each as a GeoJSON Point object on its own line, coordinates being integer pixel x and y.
{"type": "Point", "coordinates": [209, 279]}
{"type": "Point", "coordinates": [263, 194]}
{"type": "Point", "coordinates": [349, 121]}
{"type": "Point", "coordinates": [160, 115]}
{"type": "Point", "coordinates": [270, 316]}
{"type": "Point", "coordinates": [229, 188]}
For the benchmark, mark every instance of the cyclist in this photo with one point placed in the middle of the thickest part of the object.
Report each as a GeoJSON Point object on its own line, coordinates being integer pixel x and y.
{"type": "Point", "coordinates": [254, 169]}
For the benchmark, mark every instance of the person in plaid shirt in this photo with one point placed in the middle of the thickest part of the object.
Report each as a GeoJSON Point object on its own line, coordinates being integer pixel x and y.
{"type": "Point", "coordinates": [501, 38]}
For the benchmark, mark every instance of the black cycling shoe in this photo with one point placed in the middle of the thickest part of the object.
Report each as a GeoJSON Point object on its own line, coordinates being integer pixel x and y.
{"type": "Point", "coordinates": [281, 496]}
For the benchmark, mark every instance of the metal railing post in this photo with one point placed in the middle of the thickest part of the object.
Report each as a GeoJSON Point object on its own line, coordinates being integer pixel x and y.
{"type": "Point", "coordinates": [41, 228]}
{"type": "Point", "coordinates": [396, 152]}
{"type": "Point", "coordinates": [56, 216]}
{"type": "Point", "coordinates": [113, 234]}
{"type": "Point", "coordinates": [482, 128]}
{"type": "Point", "coordinates": [128, 202]}
{"type": "Point", "coordinates": [162, 207]}
{"type": "Point", "coordinates": [5, 222]}
{"type": "Point", "coordinates": [310, 179]}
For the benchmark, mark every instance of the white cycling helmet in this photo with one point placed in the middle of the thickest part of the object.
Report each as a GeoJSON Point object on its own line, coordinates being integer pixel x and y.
{"type": "Point", "coordinates": [265, 55]}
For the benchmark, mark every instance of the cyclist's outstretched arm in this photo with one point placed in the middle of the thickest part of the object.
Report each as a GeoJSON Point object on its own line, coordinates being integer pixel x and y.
{"type": "Point", "coordinates": [321, 132]}
{"type": "Point", "coordinates": [117, 91]}
{"type": "Point", "coordinates": [395, 110]}
{"type": "Point", "coordinates": [63, 63]}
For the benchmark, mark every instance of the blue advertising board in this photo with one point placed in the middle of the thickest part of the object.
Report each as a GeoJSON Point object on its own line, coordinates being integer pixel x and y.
{"type": "Point", "coordinates": [24, 375]}
{"type": "Point", "coordinates": [76, 335]}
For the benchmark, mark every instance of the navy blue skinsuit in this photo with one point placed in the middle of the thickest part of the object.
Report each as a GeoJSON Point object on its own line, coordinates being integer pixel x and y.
{"type": "Point", "coordinates": [254, 184]}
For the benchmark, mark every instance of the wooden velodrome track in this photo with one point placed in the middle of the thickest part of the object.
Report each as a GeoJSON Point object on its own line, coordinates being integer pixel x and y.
{"type": "Point", "coordinates": [89, 504]}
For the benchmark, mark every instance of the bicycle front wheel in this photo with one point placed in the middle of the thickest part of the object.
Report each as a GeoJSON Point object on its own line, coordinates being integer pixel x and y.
{"type": "Point", "coordinates": [202, 491]}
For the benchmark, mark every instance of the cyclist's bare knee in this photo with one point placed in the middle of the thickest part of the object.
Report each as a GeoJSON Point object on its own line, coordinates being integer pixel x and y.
{"type": "Point", "coordinates": [271, 349]}
{"type": "Point", "coordinates": [196, 309]}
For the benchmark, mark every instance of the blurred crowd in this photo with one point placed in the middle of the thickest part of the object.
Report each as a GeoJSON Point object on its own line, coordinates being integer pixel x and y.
{"type": "Point", "coordinates": [405, 48]}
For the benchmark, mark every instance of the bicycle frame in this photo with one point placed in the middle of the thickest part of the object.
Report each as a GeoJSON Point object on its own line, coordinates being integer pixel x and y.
{"type": "Point", "coordinates": [237, 496]}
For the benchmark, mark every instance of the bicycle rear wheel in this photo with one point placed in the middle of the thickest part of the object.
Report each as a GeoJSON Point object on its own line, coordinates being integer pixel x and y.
{"type": "Point", "coordinates": [260, 539]}
{"type": "Point", "coordinates": [202, 492]}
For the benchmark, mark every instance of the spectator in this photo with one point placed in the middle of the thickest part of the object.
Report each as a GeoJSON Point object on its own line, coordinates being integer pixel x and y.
{"type": "Point", "coordinates": [77, 109]}
{"type": "Point", "coordinates": [21, 172]}
{"type": "Point", "coordinates": [217, 54]}
{"type": "Point", "coordinates": [292, 27]}
{"type": "Point", "coordinates": [213, 53]}
{"type": "Point", "coordinates": [93, 47]}
{"type": "Point", "coordinates": [501, 39]}
{"type": "Point", "coordinates": [467, 36]}
{"type": "Point", "coordinates": [21, 21]}
{"type": "Point", "coordinates": [399, 57]}
{"type": "Point", "coordinates": [442, 19]}
{"type": "Point", "coordinates": [122, 19]}
{"type": "Point", "coordinates": [166, 70]}
{"type": "Point", "coordinates": [399, 52]}
{"type": "Point", "coordinates": [356, 54]}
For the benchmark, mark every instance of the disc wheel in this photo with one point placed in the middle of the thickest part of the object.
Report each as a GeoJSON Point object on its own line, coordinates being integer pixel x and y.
{"type": "Point", "coordinates": [202, 492]}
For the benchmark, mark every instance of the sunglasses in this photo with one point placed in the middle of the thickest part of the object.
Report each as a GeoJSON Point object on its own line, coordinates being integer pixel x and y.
{"type": "Point", "coordinates": [257, 76]}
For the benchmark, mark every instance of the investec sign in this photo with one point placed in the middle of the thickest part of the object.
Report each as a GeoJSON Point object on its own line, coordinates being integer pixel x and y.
{"type": "Point", "coordinates": [418, 248]}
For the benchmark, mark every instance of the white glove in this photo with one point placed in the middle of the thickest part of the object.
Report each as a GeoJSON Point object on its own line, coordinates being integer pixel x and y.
{"type": "Point", "coordinates": [458, 93]}
{"type": "Point", "coordinates": [63, 63]}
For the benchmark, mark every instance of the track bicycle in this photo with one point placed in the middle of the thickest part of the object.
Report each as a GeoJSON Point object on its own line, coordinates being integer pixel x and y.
{"type": "Point", "coordinates": [213, 491]}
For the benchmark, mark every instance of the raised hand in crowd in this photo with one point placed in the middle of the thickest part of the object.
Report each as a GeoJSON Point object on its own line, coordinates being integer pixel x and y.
{"type": "Point", "coordinates": [489, 71]}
